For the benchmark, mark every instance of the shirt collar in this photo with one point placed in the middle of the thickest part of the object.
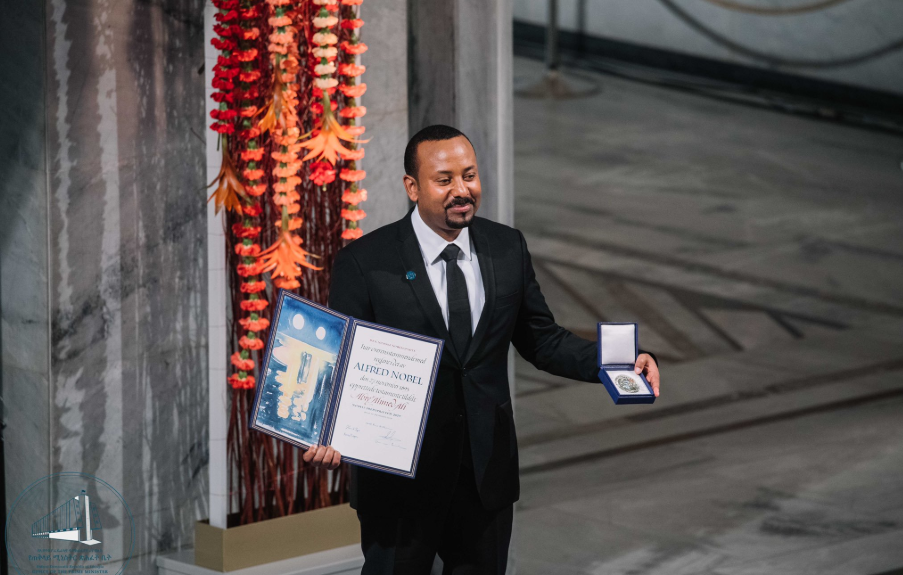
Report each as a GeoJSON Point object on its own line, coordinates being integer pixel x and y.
{"type": "Point", "coordinates": [432, 244]}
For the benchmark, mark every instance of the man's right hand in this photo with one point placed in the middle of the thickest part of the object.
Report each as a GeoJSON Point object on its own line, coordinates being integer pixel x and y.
{"type": "Point", "coordinates": [322, 456]}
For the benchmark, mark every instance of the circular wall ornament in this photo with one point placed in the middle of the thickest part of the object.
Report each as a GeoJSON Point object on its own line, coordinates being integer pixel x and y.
{"type": "Point", "coordinates": [69, 523]}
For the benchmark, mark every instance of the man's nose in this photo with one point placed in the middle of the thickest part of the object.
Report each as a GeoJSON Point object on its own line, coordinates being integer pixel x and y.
{"type": "Point", "coordinates": [459, 189]}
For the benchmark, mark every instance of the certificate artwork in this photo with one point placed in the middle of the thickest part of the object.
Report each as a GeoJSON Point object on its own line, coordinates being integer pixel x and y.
{"type": "Point", "coordinates": [299, 375]}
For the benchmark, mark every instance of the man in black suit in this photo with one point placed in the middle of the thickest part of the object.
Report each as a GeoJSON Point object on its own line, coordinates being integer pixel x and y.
{"type": "Point", "coordinates": [472, 285]}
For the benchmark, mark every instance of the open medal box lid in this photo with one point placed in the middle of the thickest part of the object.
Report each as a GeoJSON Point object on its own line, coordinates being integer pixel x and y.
{"type": "Point", "coordinates": [618, 350]}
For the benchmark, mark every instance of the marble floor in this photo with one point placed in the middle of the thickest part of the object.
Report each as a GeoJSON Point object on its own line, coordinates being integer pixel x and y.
{"type": "Point", "coordinates": [762, 255]}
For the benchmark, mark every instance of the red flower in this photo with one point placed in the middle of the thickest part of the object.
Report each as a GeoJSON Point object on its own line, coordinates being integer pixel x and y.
{"type": "Point", "coordinates": [241, 231]}
{"type": "Point", "coordinates": [322, 173]}
{"type": "Point", "coordinates": [248, 343]}
{"type": "Point", "coordinates": [318, 93]}
{"type": "Point", "coordinates": [317, 107]}
{"type": "Point", "coordinates": [249, 251]}
{"type": "Point", "coordinates": [352, 24]}
{"type": "Point", "coordinates": [254, 304]}
{"type": "Point", "coordinates": [238, 383]}
{"type": "Point", "coordinates": [252, 210]}
{"type": "Point", "coordinates": [242, 364]}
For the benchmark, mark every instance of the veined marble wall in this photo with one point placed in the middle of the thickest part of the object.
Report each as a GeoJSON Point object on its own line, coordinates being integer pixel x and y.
{"type": "Point", "coordinates": [852, 42]}
{"type": "Point", "coordinates": [115, 200]}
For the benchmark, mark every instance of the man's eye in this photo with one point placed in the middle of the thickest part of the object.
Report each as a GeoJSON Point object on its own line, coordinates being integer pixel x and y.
{"type": "Point", "coordinates": [444, 182]}
{"type": "Point", "coordinates": [468, 176]}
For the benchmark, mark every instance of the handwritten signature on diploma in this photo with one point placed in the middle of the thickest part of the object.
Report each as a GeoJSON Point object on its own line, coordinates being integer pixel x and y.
{"type": "Point", "coordinates": [351, 431]}
{"type": "Point", "coordinates": [386, 436]}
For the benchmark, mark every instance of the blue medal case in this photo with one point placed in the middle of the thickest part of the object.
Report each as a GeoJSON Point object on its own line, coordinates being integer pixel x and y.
{"type": "Point", "coordinates": [618, 349]}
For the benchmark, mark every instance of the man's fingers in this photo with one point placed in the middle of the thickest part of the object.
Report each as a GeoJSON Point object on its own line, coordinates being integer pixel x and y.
{"type": "Point", "coordinates": [640, 363]}
{"type": "Point", "coordinates": [309, 454]}
{"type": "Point", "coordinates": [320, 455]}
{"type": "Point", "coordinates": [336, 459]}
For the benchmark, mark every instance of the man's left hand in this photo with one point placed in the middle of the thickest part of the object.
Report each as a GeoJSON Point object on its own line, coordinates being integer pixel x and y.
{"type": "Point", "coordinates": [646, 365]}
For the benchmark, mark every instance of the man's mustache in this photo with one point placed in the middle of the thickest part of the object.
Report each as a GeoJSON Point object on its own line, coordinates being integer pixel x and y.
{"type": "Point", "coordinates": [459, 202]}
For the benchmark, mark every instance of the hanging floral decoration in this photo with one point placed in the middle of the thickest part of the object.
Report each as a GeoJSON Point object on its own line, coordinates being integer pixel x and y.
{"type": "Point", "coordinates": [286, 85]}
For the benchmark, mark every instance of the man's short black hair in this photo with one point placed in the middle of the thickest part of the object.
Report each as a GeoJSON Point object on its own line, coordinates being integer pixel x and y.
{"type": "Point", "coordinates": [434, 133]}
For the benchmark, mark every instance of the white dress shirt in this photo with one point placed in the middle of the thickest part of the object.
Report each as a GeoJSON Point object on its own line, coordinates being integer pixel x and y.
{"type": "Point", "coordinates": [431, 246]}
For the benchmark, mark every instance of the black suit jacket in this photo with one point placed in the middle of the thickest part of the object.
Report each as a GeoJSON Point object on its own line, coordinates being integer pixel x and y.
{"type": "Point", "coordinates": [369, 283]}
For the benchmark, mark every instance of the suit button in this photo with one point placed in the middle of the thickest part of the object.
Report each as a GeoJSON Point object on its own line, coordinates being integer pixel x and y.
{"type": "Point", "coordinates": [459, 418]}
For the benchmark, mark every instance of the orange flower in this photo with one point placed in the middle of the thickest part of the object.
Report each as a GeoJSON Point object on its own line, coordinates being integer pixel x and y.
{"type": "Point", "coordinates": [354, 198]}
{"type": "Point", "coordinates": [251, 76]}
{"type": "Point", "coordinates": [229, 186]}
{"type": "Point", "coordinates": [256, 190]}
{"type": "Point", "coordinates": [353, 91]}
{"type": "Point", "coordinates": [352, 175]}
{"type": "Point", "coordinates": [353, 111]}
{"type": "Point", "coordinates": [355, 130]}
{"type": "Point", "coordinates": [286, 257]}
{"type": "Point", "coordinates": [350, 48]}
{"type": "Point", "coordinates": [248, 111]}
{"type": "Point", "coordinates": [352, 233]}
{"type": "Point", "coordinates": [279, 21]}
{"type": "Point", "coordinates": [254, 304]}
{"type": "Point", "coordinates": [252, 175]}
{"type": "Point", "coordinates": [351, 70]}
{"type": "Point", "coordinates": [352, 2]}
{"type": "Point", "coordinates": [252, 155]}
{"type": "Point", "coordinates": [248, 343]}
{"type": "Point", "coordinates": [354, 215]}
{"type": "Point", "coordinates": [286, 198]}
{"type": "Point", "coordinates": [245, 55]}
{"type": "Point", "coordinates": [327, 143]}
{"type": "Point", "coordinates": [286, 283]}
{"type": "Point", "coordinates": [355, 154]}
{"type": "Point", "coordinates": [253, 287]}
{"type": "Point", "coordinates": [259, 324]}
{"type": "Point", "coordinates": [242, 364]}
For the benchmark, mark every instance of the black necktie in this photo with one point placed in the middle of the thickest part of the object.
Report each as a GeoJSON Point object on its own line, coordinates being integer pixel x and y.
{"type": "Point", "coordinates": [458, 302]}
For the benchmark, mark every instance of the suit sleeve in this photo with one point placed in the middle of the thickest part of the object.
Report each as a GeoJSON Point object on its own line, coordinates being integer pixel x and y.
{"type": "Point", "coordinates": [544, 343]}
{"type": "Point", "coordinates": [347, 288]}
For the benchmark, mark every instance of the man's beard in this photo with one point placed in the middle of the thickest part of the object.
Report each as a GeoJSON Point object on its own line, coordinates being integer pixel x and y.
{"type": "Point", "coordinates": [459, 225]}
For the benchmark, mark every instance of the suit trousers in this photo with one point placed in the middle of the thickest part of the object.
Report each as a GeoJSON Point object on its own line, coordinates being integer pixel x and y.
{"type": "Point", "coordinates": [469, 539]}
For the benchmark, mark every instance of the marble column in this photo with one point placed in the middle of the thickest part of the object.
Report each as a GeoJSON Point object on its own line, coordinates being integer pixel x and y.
{"type": "Point", "coordinates": [459, 61]}
{"type": "Point", "coordinates": [24, 308]}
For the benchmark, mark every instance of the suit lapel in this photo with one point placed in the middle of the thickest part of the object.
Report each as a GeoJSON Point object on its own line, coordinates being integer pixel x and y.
{"type": "Point", "coordinates": [423, 289]}
{"type": "Point", "coordinates": [487, 271]}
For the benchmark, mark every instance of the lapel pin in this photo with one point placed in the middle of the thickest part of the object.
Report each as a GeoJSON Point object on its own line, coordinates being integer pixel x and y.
{"type": "Point", "coordinates": [410, 275]}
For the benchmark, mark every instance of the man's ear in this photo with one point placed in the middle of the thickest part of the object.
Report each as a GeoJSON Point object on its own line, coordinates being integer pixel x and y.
{"type": "Point", "coordinates": [410, 186]}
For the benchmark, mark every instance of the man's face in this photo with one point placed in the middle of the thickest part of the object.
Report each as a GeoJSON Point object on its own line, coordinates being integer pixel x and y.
{"type": "Point", "coordinates": [447, 188]}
